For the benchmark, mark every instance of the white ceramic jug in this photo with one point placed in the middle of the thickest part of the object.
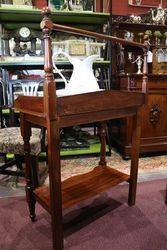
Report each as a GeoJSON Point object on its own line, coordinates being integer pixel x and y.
{"type": "Point", "coordinates": [82, 79]}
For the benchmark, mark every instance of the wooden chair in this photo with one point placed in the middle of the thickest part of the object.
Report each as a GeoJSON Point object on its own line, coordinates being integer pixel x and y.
{"type": "Point", "coordinates": [11, 142]}
{"type": "Point", "coordinates": [55, 113]}
{"type": "Point", "coordinates": [30, 87]}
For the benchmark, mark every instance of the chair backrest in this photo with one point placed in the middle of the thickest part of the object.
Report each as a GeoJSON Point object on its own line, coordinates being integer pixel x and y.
{"type": "Point", "coordinates": [30, 88]}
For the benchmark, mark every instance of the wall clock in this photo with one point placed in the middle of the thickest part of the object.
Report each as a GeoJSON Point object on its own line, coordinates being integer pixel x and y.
{"type": "Point", "coordinates": [24, 32]}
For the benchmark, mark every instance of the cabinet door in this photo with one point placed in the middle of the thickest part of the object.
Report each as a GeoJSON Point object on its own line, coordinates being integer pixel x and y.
{"type": "Point", "coordinates": [154, 118]}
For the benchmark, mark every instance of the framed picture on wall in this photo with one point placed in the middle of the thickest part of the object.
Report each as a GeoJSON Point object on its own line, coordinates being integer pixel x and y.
{"type": "Point", "coordinates": [80, 5]}
{"type": "Point", "coordinates": [55, 4]}
{"type": "Point", "coordinates": [17, 2]}
{"type": "Point", "coordinates": [22, 2]}
{"type": "Point", "coordinates": [145, 3]}
{"type": "Point", "coordinates": [6, 1]}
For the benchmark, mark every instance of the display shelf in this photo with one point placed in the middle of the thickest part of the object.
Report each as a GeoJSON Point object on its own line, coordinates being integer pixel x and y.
{"type": "Point", "coordinates": [78, 188]}
{"type": "Point", "coordinates": [140, 75]}
{"type": "Point", "coordinates": [26, 64]}
{"type": "Point", "coordinates": [32, 17]}
{"type": "Point", "coordinates": [139, 26]}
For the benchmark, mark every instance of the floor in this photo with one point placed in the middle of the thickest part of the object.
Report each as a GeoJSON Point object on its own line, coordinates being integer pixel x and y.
{"type": "Point", "coordinates": [103, 222]}
{"type": "Point", "coordinates": [138, 224]}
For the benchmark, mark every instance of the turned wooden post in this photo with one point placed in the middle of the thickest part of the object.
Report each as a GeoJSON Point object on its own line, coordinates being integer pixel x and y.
{"type": "Point", "coordinates": [145, 68]}
{"type": "Point", "coordinates": [102, 133]}
{"type": "Point", "coordinates": [53, 137]}
{"type": "Point", "coordinates": [26, 134]}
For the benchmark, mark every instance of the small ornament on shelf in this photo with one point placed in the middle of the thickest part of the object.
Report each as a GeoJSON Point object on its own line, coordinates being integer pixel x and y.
{"type": "Point", "coordinates": [140, 35]}
{"type": "Point", "coordinates": [149, 57]}
{"type": "Point", "coordinates": [129, 36]}
{"type": "Point", "coordinates": [135, 19]}
{"type": "Point", "coordinates": [158, 35]}
{"type": "Point", "coordinates": [148, 34]}
{"type": "Point", "coordinates": [130, 56]}
{"type": "Point", "coordinates": [139, 61]}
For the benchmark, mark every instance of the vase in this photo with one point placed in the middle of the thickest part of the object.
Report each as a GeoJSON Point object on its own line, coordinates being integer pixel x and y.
{"type": "Point", "coordinates": [157, 41]}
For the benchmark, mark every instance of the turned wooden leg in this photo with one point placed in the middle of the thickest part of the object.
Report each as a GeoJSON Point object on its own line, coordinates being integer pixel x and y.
{"type": "Point", "coordinates": [134, 159]}
{"type": "Point", "coordinates": [34, 171]}
{"type": "Point", "coordinates": [53, 136]}
{"type": "Point", "coordinates": [26, 133]}
{"type": "Point", "coordinates": [102, 133]}
{"type": "Point", "coordinates": [31, 202]}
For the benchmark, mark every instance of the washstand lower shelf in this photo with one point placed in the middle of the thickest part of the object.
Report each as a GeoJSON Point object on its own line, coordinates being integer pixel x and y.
{"type": "Point", "coordinates": [81, 187]}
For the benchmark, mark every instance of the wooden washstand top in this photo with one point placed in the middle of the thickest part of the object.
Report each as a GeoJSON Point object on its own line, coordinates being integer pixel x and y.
{"type": "Point", "coordinates": [105, 104]}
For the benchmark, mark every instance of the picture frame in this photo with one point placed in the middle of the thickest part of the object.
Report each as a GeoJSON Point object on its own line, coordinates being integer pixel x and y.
{"type": "Point", "coordinates": [6, 2]}
{"type": "Point", "coordinates": [77, 49]}
{"type": "Point", "coordinates": [55, 4]}
{"type": "Point", "coordinates": [22, 2]}
{"type": "Point", "coordinates": [17, 2]}
{"type": "Point", "coordinates": [72, 5]}
{"type": "Point", "coordinates": [143, 3]}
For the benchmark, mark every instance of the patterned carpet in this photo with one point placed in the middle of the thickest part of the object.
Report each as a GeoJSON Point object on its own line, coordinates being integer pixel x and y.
{"type": "Point", "coordinates": [81, 165]}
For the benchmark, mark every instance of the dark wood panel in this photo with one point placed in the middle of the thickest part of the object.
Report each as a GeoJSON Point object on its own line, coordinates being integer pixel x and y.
{"type": "Point", "coordinates": [156, 84]}
{"type": "Point", "coordinates": [104, 115]}
{"type": "Point", "coordinates": [81, 187]}
{"type": "Point", "coordinates": [147, 145]}
{"type": "Point", "coordinates": [30, 104]}
{"type": "Point", "coordinates": [153, 117]}
{"type": "Point", "coordinates": [98, 101]}
{"type": "Point", "coordinates": [36, 119]}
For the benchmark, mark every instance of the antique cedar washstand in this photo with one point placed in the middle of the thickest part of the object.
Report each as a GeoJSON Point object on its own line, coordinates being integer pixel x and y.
{"type": "Point", "coordinates": [54, 113]}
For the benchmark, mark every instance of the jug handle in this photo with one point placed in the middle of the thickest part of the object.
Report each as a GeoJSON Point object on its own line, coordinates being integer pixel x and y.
{"type": "Point", "coordinates": [55, 67]}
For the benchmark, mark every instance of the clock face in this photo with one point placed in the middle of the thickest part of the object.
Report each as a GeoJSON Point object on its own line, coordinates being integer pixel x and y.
{"type": "Point", "coordinates": [24, 32]}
